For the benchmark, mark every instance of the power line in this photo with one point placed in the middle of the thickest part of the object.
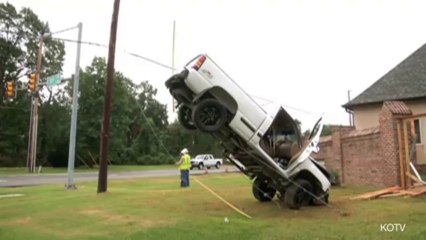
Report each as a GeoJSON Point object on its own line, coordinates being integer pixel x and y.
{"type": "Point", "coordinates": [172, 68]}
{"type": "Point", "coordinates": [61, 31]}
{"type": "Point", "coordinates": [121, 50]}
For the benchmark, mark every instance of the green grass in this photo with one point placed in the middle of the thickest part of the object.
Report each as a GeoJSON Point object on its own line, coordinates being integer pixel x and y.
{"type": "Point", "coordinates": [111, 168]}
{"type": "Point", "coordinates": [158, 209]}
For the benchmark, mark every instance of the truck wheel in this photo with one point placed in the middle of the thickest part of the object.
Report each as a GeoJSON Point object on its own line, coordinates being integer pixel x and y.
{"type": "Point", "coordinates": [298, 194]}
{"type": "Point", "coordinates": [209, 115]}
{"type": "Point", "coordinates": [200, 166]}
{"type": "Point", "coordinates": [185, 117]}
{"type": "Point", "coordinates": [217, 165]}
{"type": "Point", "coordinates": [261, 191]}
{"type": "Point", "coordinates": [321, 201]}
{"type": "Point", "coordinates": [281, 196]}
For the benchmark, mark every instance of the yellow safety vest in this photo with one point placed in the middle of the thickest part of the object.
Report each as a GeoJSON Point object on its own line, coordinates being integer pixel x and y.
{"type": "Point", "coordinates": [186, 162]}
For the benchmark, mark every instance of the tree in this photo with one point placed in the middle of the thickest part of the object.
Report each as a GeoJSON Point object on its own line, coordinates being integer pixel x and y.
{"type": "Point", "coordinates": [177, 138]}
{"type": "Point", "coordinates": [20, 32]}
{"type": "Point", "coordinates": [19, 37]}
{"type": "Point", "coordinates": [137, 117]}
{"type": "Point", "coordinates": [326, 130]}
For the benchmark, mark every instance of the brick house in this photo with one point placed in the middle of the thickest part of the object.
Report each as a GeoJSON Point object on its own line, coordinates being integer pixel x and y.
{"type": "Point", "coordinates": [406, 83]}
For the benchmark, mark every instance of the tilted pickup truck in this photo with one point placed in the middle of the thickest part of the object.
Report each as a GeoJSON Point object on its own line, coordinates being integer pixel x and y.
{"type": "Point", "coordinates": [266, 146]}
{"type": "Point", "coordinates": [205, 160]}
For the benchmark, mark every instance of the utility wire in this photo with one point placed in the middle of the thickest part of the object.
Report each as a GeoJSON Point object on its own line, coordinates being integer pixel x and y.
{"type": "Point", "coordinates": [61, 31]}
{"type": "Point", "coordinates": [168, 67]}
{"type": "Point", "coordinates": [156, 63]}
{"type": "Point", "coordinates": [121, 50]}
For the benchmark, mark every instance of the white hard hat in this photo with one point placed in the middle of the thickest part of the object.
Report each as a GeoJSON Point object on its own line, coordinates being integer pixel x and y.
{"type": "Point", "coordinates": [184, 151]}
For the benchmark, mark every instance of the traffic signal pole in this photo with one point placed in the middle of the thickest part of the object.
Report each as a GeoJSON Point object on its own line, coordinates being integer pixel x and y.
{"type": "Point", "coordinates": [73, 130]}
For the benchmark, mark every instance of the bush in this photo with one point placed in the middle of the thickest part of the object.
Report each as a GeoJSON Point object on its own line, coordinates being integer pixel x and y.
{"type": "Point", "coordinates": [158, 159]}
{"type": "Point", "coordinates": [59, 156]}
{"type": "Point", "coordinates": [58, 159]}
{"type": "Point", "coordinates": [16, 161]}
{"type": "Point", "coordinates": [166, 159]}
{"type": "Point", "coordinates": [335, 178]}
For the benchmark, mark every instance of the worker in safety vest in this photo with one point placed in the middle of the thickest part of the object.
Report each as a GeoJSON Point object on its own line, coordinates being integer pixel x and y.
{"type": "Point", "coordinates": [184, 164]}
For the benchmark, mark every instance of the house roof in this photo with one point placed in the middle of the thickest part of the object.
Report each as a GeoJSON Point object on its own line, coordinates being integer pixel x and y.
{"type": "Point", "coordinates": [406, 81]}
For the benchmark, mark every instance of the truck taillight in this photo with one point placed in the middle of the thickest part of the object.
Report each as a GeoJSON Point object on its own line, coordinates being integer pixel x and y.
{"type": "Point", "coordinates": [199, 62]}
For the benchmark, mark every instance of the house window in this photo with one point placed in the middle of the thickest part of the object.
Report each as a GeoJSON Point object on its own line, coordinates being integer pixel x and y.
{"type": "Point", "coordinates": [417, 130]}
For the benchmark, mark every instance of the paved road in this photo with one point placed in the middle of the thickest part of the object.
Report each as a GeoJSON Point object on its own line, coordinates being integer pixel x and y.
{"type": "Point", "coordinates": [41, 179]}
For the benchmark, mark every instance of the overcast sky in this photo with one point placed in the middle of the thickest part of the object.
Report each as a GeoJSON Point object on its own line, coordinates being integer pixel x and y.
{"type": "Point", "coordinates": [305, 55]}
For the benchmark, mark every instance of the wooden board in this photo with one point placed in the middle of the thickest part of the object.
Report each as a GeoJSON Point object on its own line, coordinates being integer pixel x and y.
{"type": "Point", "coordinates": [376, 194]}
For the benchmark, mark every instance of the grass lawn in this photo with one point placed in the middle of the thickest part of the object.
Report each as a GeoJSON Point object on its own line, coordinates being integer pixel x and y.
{"type": "Point", "coordinates": [158, 209]}
{"type": "Point", "coordinates": [111, 168]}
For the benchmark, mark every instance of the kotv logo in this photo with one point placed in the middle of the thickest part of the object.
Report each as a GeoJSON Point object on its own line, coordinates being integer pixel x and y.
{"type": "Point", "coordinates": [392, 227]}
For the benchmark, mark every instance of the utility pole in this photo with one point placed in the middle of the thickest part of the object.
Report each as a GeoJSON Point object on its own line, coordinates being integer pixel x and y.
{"type": "Point", "coordinates": [103, 163]}
{"type": "Point", "coordinates": [34, 122]}
{"type": "Point", "coordinates": [350, 112]}
{"type": "Point", "coordinates": [173, 59]}
{"type": "Point", "coordinates": [173, 48]}
{"type": "Point", "coordinates": [30, 133]}
{"type": "Point", "coordinates": [71, 150]}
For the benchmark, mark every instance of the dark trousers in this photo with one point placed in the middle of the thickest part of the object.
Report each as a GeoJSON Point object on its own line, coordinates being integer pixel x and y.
{"type": "Point", "coordinates": [184, 178]}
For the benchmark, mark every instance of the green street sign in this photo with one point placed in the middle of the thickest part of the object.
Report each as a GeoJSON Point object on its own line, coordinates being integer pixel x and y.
{"type": "Point", "coordinates": [53, 80]}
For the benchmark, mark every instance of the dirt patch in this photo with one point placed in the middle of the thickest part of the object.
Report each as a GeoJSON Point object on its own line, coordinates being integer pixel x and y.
{"type": "Point", "coordinates": [119, 219]}
{"type": "Point", "coordinates": [20, 221]}
{"type": "Point", "coordinates": [25, 220]}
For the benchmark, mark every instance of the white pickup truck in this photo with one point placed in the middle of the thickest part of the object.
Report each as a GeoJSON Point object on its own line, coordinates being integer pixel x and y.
{"type": "Point", "coordinates": [265, 145]}
{"type": "Point", "coordinates": [205, 160]}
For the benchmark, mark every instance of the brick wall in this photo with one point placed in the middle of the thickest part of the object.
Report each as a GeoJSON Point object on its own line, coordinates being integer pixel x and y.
{"type": "Point", "coordinates": [361, 160]}
{"type": "Point", "coordinates": [369, 156]}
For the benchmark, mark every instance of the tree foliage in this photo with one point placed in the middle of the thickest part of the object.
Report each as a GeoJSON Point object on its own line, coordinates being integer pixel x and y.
{"type": "Point", "coordinates": [139, 132]}
{"type": "Point", "coordinates": [20, 32]}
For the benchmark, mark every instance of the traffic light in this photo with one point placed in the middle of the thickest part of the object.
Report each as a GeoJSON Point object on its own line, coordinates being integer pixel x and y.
{"type": "Point", "coordinates": [32, 82]}
{"type": "Point", "coordinates": [9, 89]}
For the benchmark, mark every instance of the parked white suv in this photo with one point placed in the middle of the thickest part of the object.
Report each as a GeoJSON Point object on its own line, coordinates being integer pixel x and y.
{"type": "Point", "coordinates": [266, 146]}
{"type": "Point", "coordinates": [205, 160]}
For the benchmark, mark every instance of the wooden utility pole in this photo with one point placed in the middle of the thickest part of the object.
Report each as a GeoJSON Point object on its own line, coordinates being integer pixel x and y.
{"type": "Point", "coordinates": [32, 149]}
{"type": "Point", "coordinates": [103, 163]}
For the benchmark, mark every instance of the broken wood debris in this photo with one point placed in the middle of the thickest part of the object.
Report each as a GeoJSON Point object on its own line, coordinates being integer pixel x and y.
{"type": "Point", "coordinates": [392, 192]}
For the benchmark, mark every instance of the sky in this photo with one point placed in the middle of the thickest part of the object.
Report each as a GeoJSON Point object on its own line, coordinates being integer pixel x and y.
{"type": "Point", "coordinates": [305, 55]}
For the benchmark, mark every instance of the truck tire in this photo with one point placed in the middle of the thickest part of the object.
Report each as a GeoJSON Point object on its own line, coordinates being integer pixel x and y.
{"type": "Point", "coordinates": [261, 191]}
{"type": "Point", "coordinates": [217, 165]}
{"type": "Point", "coordinates": [209, 115]}
{"type": "Point", "coordinates": [321, 201]}
{"type": "Point", "coordinates": [185, 117]}
{"type": "Point", "coordinates": [297, 194]}
{"type": "Point", "coordinates": [200, 166]}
